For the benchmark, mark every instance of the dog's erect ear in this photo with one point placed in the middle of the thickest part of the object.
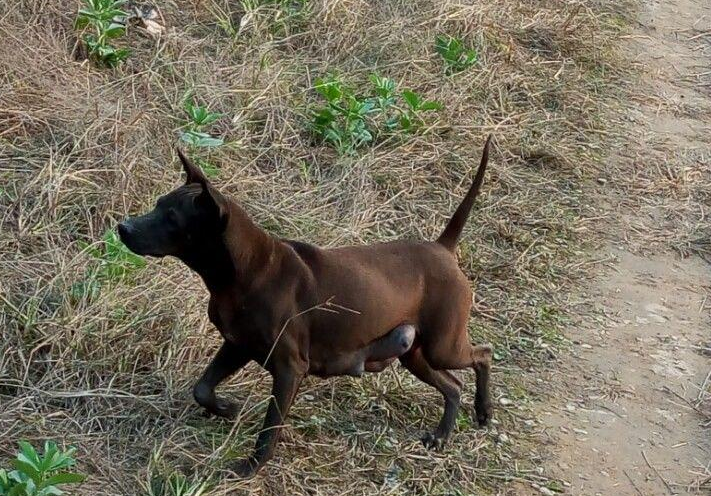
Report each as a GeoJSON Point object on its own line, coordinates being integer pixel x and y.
{"type": "Point", "coordinates": [213, 200]}
{"type": "Point", "coordinates": [210, 197]}
{"type": "Point", "coordinates": [193, 173]}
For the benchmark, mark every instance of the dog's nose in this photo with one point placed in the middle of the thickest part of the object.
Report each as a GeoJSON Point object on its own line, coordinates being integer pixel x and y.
{"type": "Point", "coordinates": [124, 229]}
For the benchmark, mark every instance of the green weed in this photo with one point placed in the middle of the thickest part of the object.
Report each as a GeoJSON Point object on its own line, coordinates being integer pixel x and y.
{"type": "Point", "coordinates": [199, 118]}
{"type": "Point", "coordinates": [39, 475]}
{"type": "Point", "coordinates": [456, 57]}
{"type": "Point", "coordinates": [342, 122]}
{"type": "Point", "coordinates": [349, 121]}
{"type": "Point", "coordinates": [210, 169]}
{"type": "Point", "coordinates": [464, 421]}
{"type": "Point", "coordinates": [411, 119]}
{"type": "Point", "coordinates": [105, 18]}
{"type": "Point", "coordinates": [164, 480]}
{"type": "Point", "coordinates": [114, 262]}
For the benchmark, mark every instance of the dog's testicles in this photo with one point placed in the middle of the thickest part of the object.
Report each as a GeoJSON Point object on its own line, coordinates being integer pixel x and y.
{"type": "Point", "coordinates": [374, 357]}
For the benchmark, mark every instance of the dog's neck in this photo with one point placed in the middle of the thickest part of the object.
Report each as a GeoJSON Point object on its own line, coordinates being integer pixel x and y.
{"type": "Point", "coordinates": [230, 260]}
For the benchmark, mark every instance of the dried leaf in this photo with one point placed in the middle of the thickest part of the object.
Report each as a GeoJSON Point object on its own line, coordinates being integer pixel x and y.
{"type": "Point", "coordinates": [153, 27]}
{"type": "Point", "coordinates": [148, 17]}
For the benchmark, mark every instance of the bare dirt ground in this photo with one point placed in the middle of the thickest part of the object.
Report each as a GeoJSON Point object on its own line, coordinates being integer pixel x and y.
{"type": "Point", "coordinates": [628, 423]}
{"type": "Point", "coordinates": [633, 414]}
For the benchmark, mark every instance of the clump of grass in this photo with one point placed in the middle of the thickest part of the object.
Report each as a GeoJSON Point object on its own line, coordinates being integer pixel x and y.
{"type": "Point", "coordinates": [105, 18]}
{"type": "Point", "coordinates": [164, 480]}
{"type": "Point", "coordinates": [264, 19]}
{"type": "Point", "coordinates": [349, 121]}
{"type": "Point", "coordinates": [177, 484]}
{"type": "Point", "coordinates": [456, 57]}
{"type": "Point", "coordinates": [38, 474]}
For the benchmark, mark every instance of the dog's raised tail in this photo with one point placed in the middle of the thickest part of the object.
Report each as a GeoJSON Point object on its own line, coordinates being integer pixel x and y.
{"type": "Point", "coordinates": [450, 235]}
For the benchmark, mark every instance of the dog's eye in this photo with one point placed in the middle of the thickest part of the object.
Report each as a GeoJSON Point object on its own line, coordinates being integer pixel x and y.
{"type": "Point", "coordinates": [173, 216]}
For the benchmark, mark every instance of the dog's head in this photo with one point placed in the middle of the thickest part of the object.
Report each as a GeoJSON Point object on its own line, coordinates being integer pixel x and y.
{"type": "Point", "coordinates": [181, 220]}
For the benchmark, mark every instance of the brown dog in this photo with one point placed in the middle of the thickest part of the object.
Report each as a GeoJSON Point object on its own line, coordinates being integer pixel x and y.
{"type": "Point", "coordinates": [267, 298]}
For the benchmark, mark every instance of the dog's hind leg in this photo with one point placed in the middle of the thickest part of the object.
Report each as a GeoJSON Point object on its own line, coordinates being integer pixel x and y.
{"type": "Point", "coordinates": [482, 355]}
{"type": "Point", "coordinates": [445, 383]}
{"type": "Point", "coordinates": [460, 355]}
{"type": "Point", "coordinates": [226, 362]}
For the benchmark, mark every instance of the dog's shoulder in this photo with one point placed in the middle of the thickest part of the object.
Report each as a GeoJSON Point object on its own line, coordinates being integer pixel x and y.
{"type": "Point", "coordinates": [305, 251]}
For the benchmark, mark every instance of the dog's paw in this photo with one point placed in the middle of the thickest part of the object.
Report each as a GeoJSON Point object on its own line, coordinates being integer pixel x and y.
{"type": "Point", "coordinates": [483, 411]}
{"type": "Point", "coordinates": [224, 408]}
{"type": "Point", "coordinates": [247, 468]}
{"type": "Point", "coordinates": [221, 408]}
{"type": "Point", "coordinates": [430, 441]}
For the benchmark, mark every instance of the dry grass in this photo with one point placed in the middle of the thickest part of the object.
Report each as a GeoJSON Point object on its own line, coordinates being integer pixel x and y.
{"type": "Point", "coordinates": [658, 190]}
{"type": "Point", "coordinates": [82, 147]}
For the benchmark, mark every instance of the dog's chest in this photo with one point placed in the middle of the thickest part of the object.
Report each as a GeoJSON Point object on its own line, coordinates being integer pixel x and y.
{"type": "Point", "coordinates": [241, 322]}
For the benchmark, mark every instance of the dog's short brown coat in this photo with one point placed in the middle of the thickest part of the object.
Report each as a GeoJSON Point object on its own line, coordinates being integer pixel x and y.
{"type": "Point", "coordinates": [293, 307]}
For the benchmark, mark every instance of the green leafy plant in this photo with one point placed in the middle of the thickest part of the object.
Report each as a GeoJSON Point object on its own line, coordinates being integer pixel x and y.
{"type": "Point", "coordinates": [385, 98]}
{"type": "Point", "coordinates": [105, 18]}
{"type": "Point", "coordinates": [210, 169]}
{"type": "Point", "coordinates": [411, 119]}
{"type": "Point", "coordinates": [342, 122]}
{"type": "Point", "coordinates": [114, 262]}
{"type": "Point", "coordinates": [456, 57]}
{"type": "Point", "coordinates": [39, 475]}
{"type": "Point", "coordinates": [349, 121]}
{"type": "Point", "coordinates": [199, 118]}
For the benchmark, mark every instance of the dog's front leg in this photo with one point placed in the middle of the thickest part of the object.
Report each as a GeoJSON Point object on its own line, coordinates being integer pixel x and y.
{"type": "Point", "coordinates": [228, 360]}
{"type": "Point", "coordinates": [286, 381]}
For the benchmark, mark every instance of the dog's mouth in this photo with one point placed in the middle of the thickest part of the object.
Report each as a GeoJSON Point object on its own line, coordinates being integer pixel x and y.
{"type": "Point", "coordinates": [128, 236]}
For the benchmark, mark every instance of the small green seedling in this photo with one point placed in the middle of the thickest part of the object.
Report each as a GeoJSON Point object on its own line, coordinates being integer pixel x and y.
{"type": "Point", "coordinates": [385, 98]}
{"type": "Point", "coordinates": [349, 121]}
{"type": "Point", "coordinates": [411, 119]}
{"type": "Point", "coordinates": [384, 91]}
{"type": "Point", "coordinates": [456, 57]}
{"type": "Point", "coordinates": [199, 117]}
{"type": "Point", "coordinates": [39, 475]}
{"type": "Point", "coordinates": [106, 20]}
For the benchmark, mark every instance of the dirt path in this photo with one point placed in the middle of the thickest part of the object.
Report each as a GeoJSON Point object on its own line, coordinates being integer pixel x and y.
{"type": "Point", "coordinates": [633, 415]}
{"type": "Point", "coordinates": [627, 424]}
